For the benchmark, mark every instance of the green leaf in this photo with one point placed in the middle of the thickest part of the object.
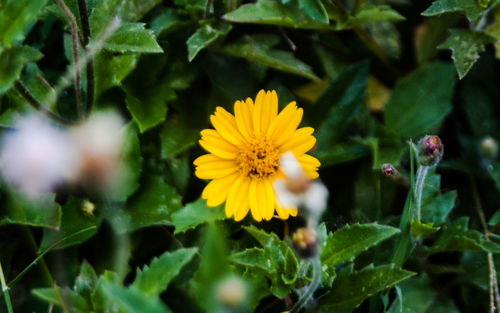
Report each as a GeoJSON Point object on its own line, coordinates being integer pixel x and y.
{"type": "Point", "coordinates": [495, 219]}
{"type": "Point", "coordinates": [86, 281]}
{"type": "Point", "coordinates": [275, 13]}
{"type": "Point", "coordinates": [12, 61]}
{"type": "Point", "coordinates": [465, 46]}
{"type": "Point", "coordinates": [420, 101]}
{"type": "Point", "coordinates": [252, 257]}
{"type": "Point", "coordinates": [40, 212]}
{"type": "Point", "coordinates": [148, 111]}
{"type": "Point", "coordinates": [167, 21]}
{"type": "Point", "coordinates": [133, 37]}
{"type": "Point", "coordinates": [418, 296]}
{"type": "Point", "coordinates": [291, 268]}
{"type": "Point", "coordinates": [349, 291]}
{"type": "Point", "coordinates": [154, 279]}
{"type": "Point", "coordinates": [337, 106]}
{"type": "Point", "coordinates": [127, 11]}
{"type": "Point", "coordinates": [471, 8]}
{"type": "Point", "coordinates": [177, 136]}
{"type": "Point", "coordinates": [349, 241]}
{"type": "Point", "coordinates": [258, 49]}
{"type": "Point", "coordinates": [132, 300]}
{"type": "Point", "coordinates": [111, 69]}
{"type": "Point", "coordinates": [194, 214]}
{"type": "Point", "coordinates": [151, 205]}
{"type": "Point", "coordinates": [436, 206]}
{"type": "Point", "coordinates": [73, 219]}
{"type": "Point", "coordinates": [203, 37]}
{"type": "Point", "coordinates": [77, 302]}
{"type": "Point", "coordinates": [371, 14]}
{"type": "Point", "coordinates": [130, 167]}
{"type": "Point", "coordinates": [419, 229]}
{"type": "Point", "coordinates": [315, 9]}
{"type": "Point", "coordinates": [15, 17]}
{"type": "Point", "coordinates": [458, 237]}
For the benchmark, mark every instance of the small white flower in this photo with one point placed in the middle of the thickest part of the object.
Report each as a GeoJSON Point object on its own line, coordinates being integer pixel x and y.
{"type": "Point", "coordinates": [99, 143]}
{"type": "Point", "coordinates": [37, 156]}
{"type": "Point", "coordinates": [297, 190]}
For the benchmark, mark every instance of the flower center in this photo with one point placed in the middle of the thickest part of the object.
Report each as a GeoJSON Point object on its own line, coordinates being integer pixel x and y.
{"type": "Point", "coordinates": [258, 158]}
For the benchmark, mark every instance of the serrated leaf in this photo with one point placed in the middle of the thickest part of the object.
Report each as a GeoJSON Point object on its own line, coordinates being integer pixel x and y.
{"type": "Point", "coordinates": [12, 61]}
{"type": "Point", "coordinates": [419, 229]}
{"type": "Point", "coordinates": [149, 110]}
{"type": "Point", "coordinates": [73, 219]}
{"type": "Point", "coordinates": [291, 268]}
{"type": "Point", "coordinates": [257, 49]}
{"type": "Point", "coordinates": [337, 106]}
{"type": "Point", "coordinates": [132, 300]}
{"type": "Point", "coordinates": [40, 212]}
{"type": "Point", "coordinates": [203, 37]}
{"type": "Point", "coordinates": [252, 257]}
{"type": "Point", "coordinates": [349, 291]}
{"type": "Point", "coordinates": [418, 296]}
{"type": "Point", "coordinates": [86, 281]}
{"type": "Point", "coordinates": [436, 206]}
{"type": "Point", "coordinates": [471, 8]}
{"type": "Point", "coordinates": [371, 14]}
{"type": "Point", "coordinates": [413, 111]}
{"type": "Point", "coordinates": [111, 69]}
{"type": "Point", "coordinates": [127, 11]}
{"type": "Point", "coordinates": [349, 241]}
{"type": "Point", "coordinates": [167, 21]}
{"type": "Point", "coordinates": [315, 9]}
{"type": "Point", "coordinates": [458, 237]}
{"type": "Point", "coordinates": [194, 214]}
{"type": "Point", "coordinates": [176, 137]}
{"type": "Point", "coordinates": [151, 205]}
{"type": "Point", "coordinates": [77, 302]}
{"type": "Point", "coordinates": [15, 18]}
{"type": "Point", "coordinates": [494, 219]}
{"type": "Point", "coordinates": [154, 279]}
{"type": "Point", "coordinates": [133, 37]}
{"type": "Point", "coordinates": [274, 13]}
{"type": "Point", "coordinates": [465, 46]}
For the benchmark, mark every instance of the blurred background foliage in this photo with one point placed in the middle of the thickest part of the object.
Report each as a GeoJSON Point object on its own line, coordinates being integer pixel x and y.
{"type": "Point", "coordinates": [370, 75]}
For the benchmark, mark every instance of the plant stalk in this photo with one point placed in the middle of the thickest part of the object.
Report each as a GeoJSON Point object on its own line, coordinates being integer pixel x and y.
{"type": "Point", "coordinates": [5, 291]}
{"type": "Point", "coordinates": [311, 288]}
{"type": "Point", "coordinates": [89, 69]}
{"type": "Point", "coordinates": [419, 188]}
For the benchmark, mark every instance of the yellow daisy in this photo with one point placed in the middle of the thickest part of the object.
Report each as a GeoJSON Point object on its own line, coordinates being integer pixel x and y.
{"type": "Point", "coordinates": [244, 153]}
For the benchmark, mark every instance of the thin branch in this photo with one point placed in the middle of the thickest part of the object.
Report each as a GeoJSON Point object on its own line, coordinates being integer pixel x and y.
{"type": "Point", "coordinates": [45, 82]}
{"type": "Point", "coordinates": [84, 18]}
{"type": "Point", "coordinates": [37, 105]}
{"type": "Point", "coordinates": [293, 47]}
{"type": "Point", "coordinates": [5, 291]}
{"type": "Point", "coordinates": [74, 42]}
{"type": "Point", "coordinates": [207, 8]}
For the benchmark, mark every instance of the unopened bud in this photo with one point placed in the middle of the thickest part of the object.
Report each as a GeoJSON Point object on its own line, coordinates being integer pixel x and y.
{"type": "Point", "coordinates": [231, 292]}
{"type": "Point", "coordinates": [489, 147]}
{"type": "Point", "coordinates": [305, 242]}
{"type": "Point", "coordinates": [389, 170]}
{"type": "Point", "coordinates": [430, 150]}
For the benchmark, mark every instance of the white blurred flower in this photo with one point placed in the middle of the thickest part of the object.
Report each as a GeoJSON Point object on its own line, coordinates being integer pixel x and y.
{"type": "Point", "coordinates": [297, 190]}
{"type": "Point", "coordinates": [99, 143]}
{"type": "Point", "coordinates": [231, 292]}
{"type": "Point", "coordinates": [37, 156]}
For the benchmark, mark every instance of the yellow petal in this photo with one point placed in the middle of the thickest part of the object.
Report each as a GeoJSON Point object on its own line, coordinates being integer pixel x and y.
{"type": "Point", "coordinates": [209, 166]}
{"type": "Point", "coordinates": [214, 143]}
{"type": "Point", "coordinates": [237, 203]}
{"type": "Point", "coordinates": [217, 190]}
{"type": "Point", "coordinates": [269, 111]}
{"type": "Point", "coordinates": [257, 113]}
{"type": "Point", "coordinates": [284, 213]}
{"type": "Point", "coordinates": [310, 165]}
{"type": "Point", "coordinates": [283, 126]}
{"type": "Point", "coordinates": [225, 124]}
{"type": "Point", "coordinates": [300, 142]}
{"type": "Point", "coordinates": [262, 198]}
{"type": "Point", "coordinates": [243, 112]}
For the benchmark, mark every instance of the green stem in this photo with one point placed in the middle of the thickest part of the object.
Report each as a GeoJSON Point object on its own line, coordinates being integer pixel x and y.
{"type": "Point", "coordinates": [39, 257]}
{"type": "Point", "coordinates": [5, 290]}
{"type": "Point", "coordinates": [316, 279]}
{"type": "Point", "coordinates": [421, 175]}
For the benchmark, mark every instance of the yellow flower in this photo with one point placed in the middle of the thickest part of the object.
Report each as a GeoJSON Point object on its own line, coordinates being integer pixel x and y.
{"type": "Point", "coordinates": [244, 154]}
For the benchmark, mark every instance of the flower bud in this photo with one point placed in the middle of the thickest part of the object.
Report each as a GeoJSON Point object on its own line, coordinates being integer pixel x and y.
{"type": "Point", "coordinates": [389, 170]}
{"type": "Point", "coordinates": [489, 147]}
{"type": "Point", "coordinates": [231, 292]}
{"type": "Point", "coordinates": [305, 242]}
{"type": "Point", "coordinates": [430, 150]}
{"type": "Point", "coordinates": [88, 207]}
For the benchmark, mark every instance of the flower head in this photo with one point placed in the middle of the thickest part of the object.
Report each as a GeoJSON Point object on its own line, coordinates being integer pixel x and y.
{"type": "Point", "coordinates": [244, 155]}
{"type": "Point", "coordinates": [430, 150]}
